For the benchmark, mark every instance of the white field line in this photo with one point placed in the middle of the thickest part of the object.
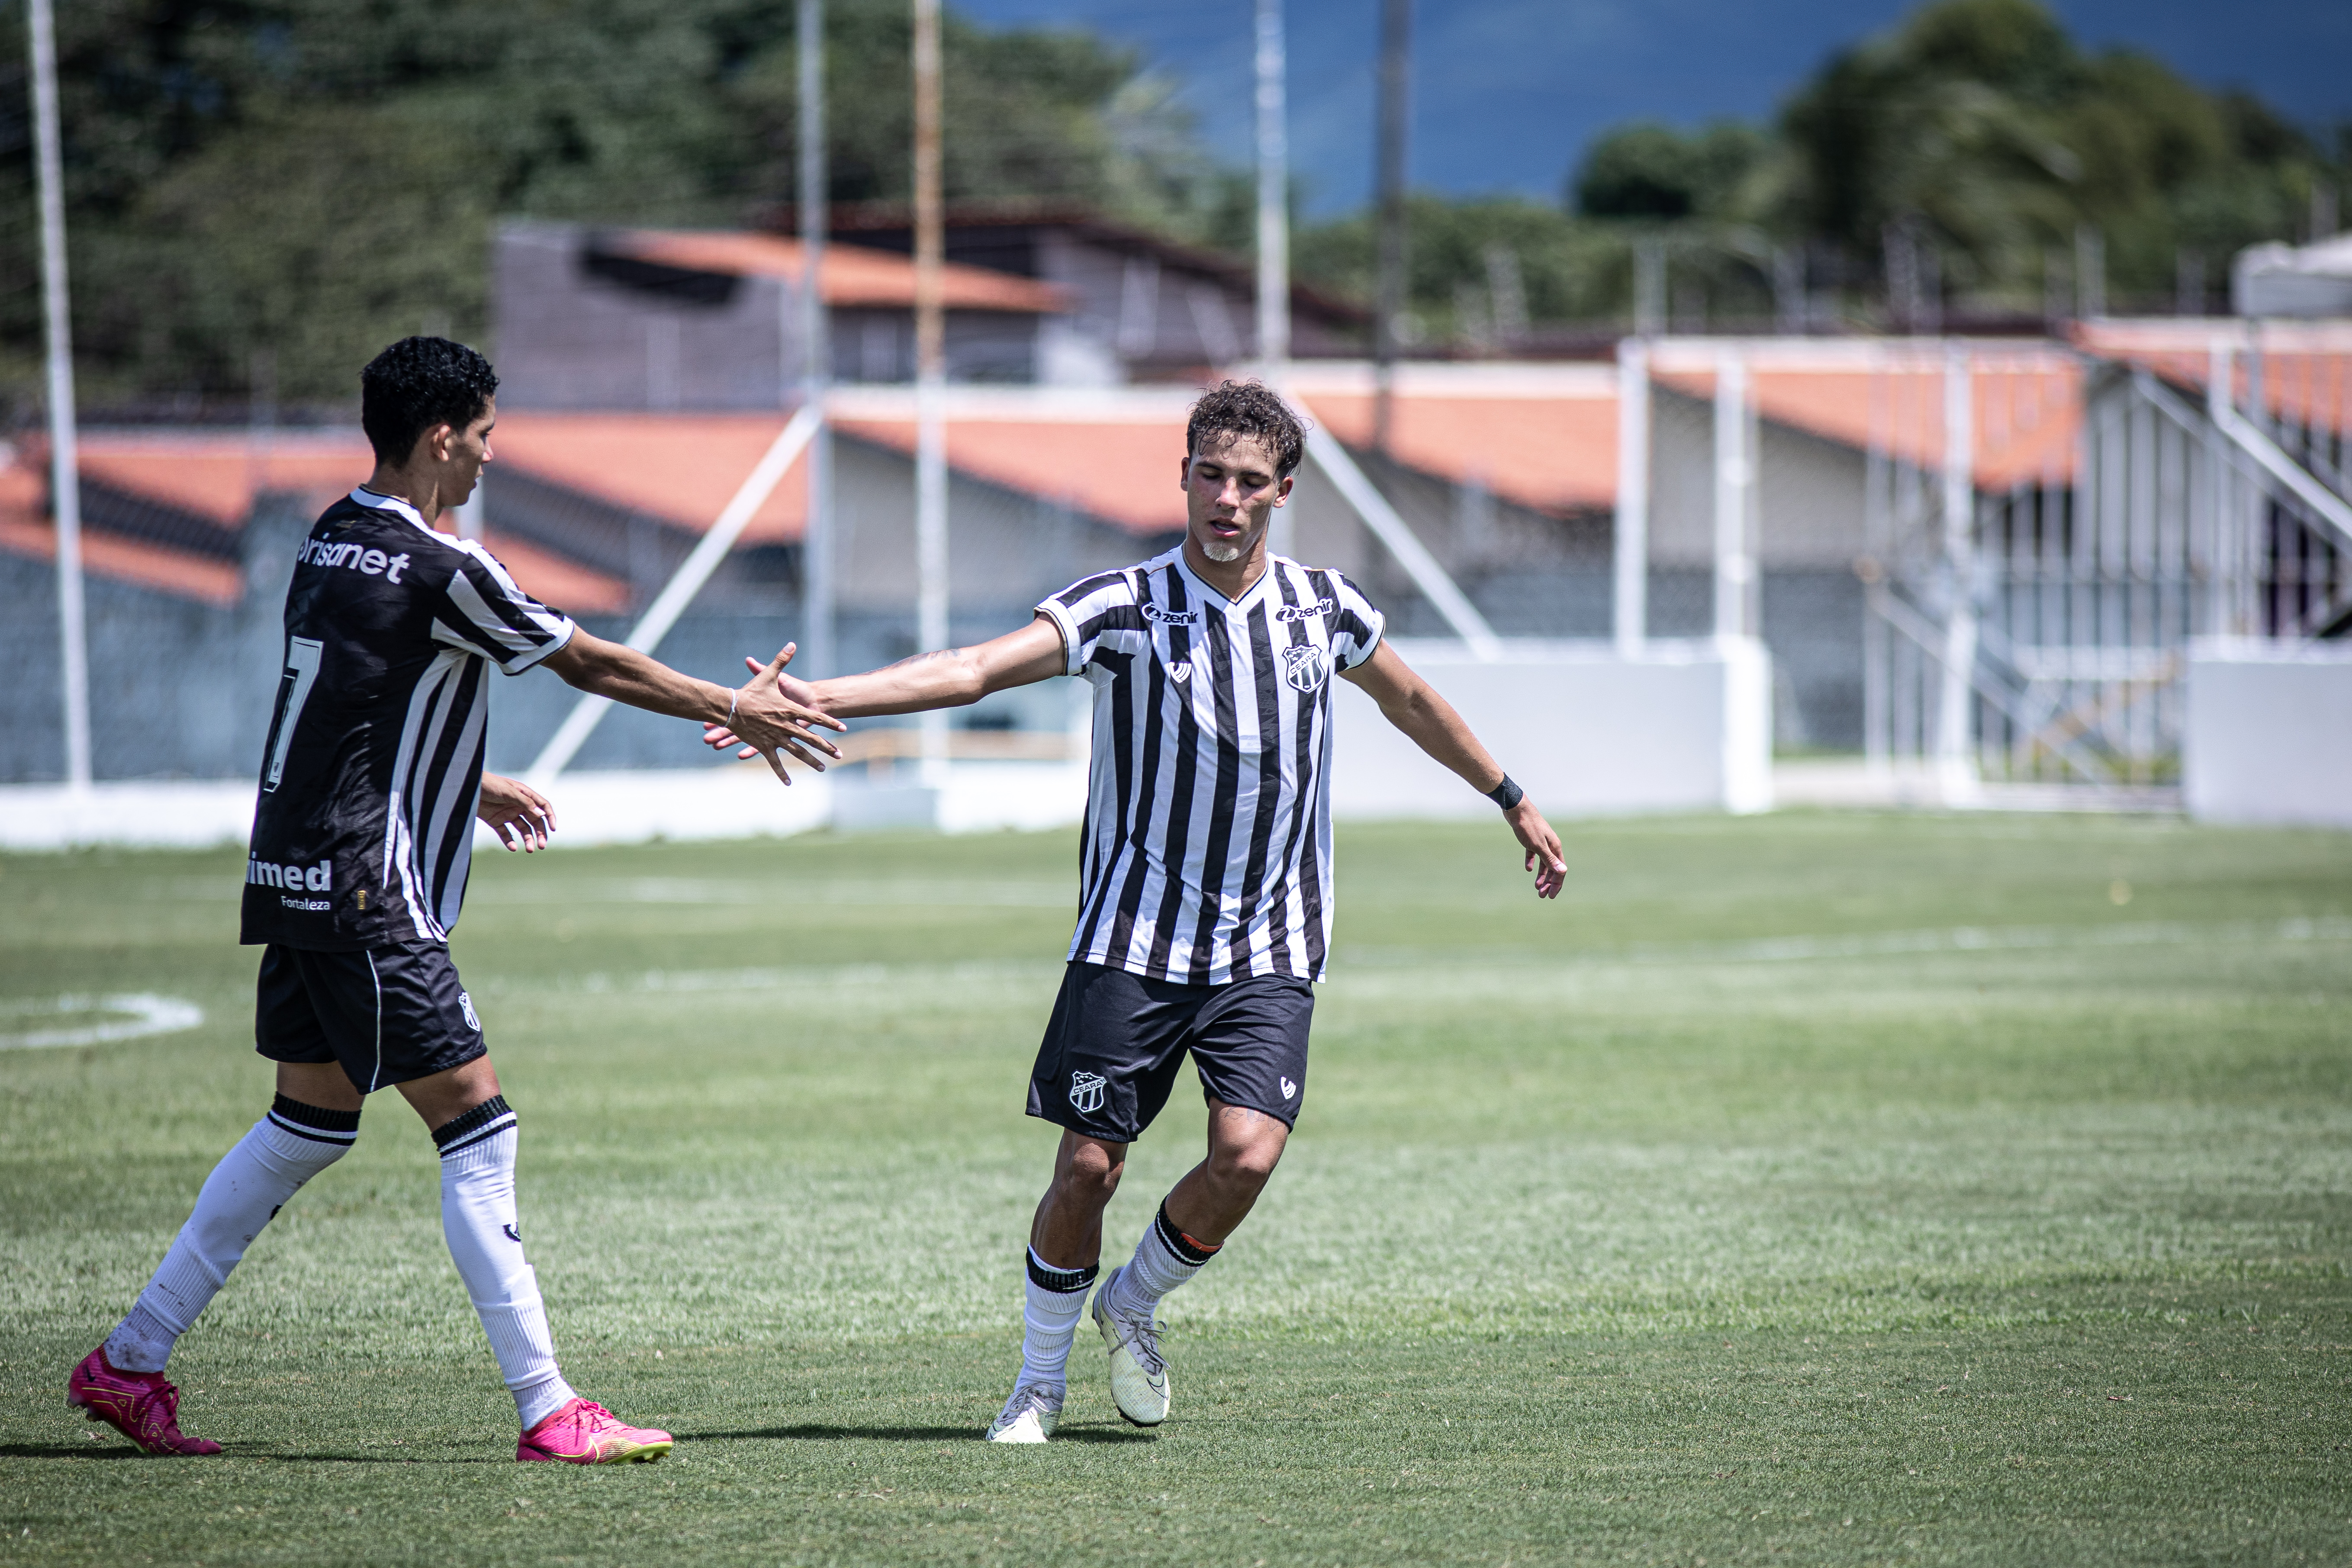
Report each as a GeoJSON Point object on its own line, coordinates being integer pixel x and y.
{"type": "Point", "coordinates": [1981, 939]}
{"type": "Point", "coordinates": [892, 890]}
{"type": "Point", "coordinates": [1774, 950]}
{"type": "Point", "coordinates": [149, 1015]}
{"type": "Point", "coordinates": [968, 893]}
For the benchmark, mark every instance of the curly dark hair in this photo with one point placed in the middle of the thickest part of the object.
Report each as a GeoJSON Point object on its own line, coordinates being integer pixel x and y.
{"type": "Point", "coordinates": [1248, 408]}
{"type": "Point", "coordinates": [416, 384]}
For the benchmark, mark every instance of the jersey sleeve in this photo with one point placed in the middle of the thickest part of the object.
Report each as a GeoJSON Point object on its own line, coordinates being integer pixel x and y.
{"type": "Point", "coordinates": [1086, 610]}
{"type": "Point", "coordinates": [486, 612]}
{"type": "Point", "coordinates": [1356, 629]}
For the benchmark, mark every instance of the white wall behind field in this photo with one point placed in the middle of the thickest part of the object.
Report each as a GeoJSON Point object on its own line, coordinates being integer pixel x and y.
{"type": "Point", "coordinates": [2267, 736]}
{"type": "Point", "coordinates": [1687, 727]}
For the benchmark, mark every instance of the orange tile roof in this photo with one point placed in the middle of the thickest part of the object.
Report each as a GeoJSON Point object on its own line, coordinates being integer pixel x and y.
{"type": "Point", "coordinates": [26, 529]}
{"type": "Point", "coordinates": [851, 275]}
{"type": "Point", "coordinates": [104, 555]}
{"type": "Point", "coordinates": [682, 469]}
{"type": "Point", "coordinates": [1128, 472]}
{"type": "Point", "coordinates": [2028, 399]}
{"type": "Point", "coordinates": [557, 580]}
{"type": "Point", "coordinates": [1543, 436]}
{"type": "Point", "coordinates": [2307, 365]}
{"type": "Point", "coordinates": [1111, 455]}
{"type": "Point", "coordinates": [216, 474]}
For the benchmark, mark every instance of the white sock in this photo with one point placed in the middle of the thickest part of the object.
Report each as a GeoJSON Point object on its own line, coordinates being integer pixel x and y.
{"type": "Point", "coordinates": [1049, 1319]}
{"type": "Point", "coordinates": [1163, 1260]}
{"type": "Point", "coordinates": [484, 1236]}
{"type": "Point", "coordinates": [253, 1181]}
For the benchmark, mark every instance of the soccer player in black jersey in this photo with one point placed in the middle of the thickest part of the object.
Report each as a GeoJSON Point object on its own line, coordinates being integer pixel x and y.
{"type": "Point", "coordinates": [1204, 910]}
{"type": "Point", "coordinates": [371, 783]}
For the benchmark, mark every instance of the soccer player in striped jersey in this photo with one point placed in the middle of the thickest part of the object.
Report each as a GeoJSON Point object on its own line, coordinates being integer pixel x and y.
{"type": "Point", "coordinates": [371, 783]}
{"type": "Point", "coordinates": [1204, 912]}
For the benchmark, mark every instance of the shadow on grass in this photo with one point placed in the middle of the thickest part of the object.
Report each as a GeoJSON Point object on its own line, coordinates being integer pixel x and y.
{"type": "Point", "coordinates": [72, 1451]}
{"type": "Point", "coordinates": [307, 1458]}
{"type": "Point", "coordinates": [810, 1431]}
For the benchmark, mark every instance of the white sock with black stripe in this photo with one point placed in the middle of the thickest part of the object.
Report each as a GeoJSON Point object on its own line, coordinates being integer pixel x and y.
{"type": "Point", "coordinates": [484, 1236]}
{"type": "Point", "coordinates": [1049, 1320]}
{"type": "Point", "coordinates": [253, 1181]}
{"type": "Point", "coordinates": [1163, 1260]}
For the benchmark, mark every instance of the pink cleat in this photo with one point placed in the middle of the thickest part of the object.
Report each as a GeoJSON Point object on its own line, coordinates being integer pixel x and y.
{"type": "Point", "coordinates": [141, 1406]}
{"type": "Point", "coordinates": [585, 1433]}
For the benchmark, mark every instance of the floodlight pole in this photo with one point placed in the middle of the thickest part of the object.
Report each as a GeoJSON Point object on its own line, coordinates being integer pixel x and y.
{"type": "Point", "coordinates": [819, 591]}
{"type": "Point", "coordinates": [1273, 226]}
{"type": "Point", "coordinates": [64, 459]}
{"type": "Point", "coordinates": [1273, 195]}
{"type": "Point", "coordinates": [1956, 768]}
{"type": "Point", "coordinates": [930, 380]}
{"type": "Point", "coordinates": [1735, 480]}
{"type": "Point", "coordinates": [1629, 547]}
{"type": "Point", "coordinates": [1396, 19]}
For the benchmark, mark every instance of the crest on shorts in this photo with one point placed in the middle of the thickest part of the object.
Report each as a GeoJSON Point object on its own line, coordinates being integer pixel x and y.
{"type": "Point", "coordinates": [1087, 1091]}
{"type": "Point", "coordinates": [1305, 668]}
{"type": "Point", "coordinates": [466, 1005]}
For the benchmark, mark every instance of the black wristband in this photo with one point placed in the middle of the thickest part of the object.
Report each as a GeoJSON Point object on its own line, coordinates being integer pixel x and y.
{"type": "Point", "coordinates": [1507, 793]}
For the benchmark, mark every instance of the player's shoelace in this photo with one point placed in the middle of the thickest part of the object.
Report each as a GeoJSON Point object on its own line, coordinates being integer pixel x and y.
{"type": "Point", "coordinates": [1037, 1396]}
{"type": "Point", "coordinates": [1142, 1337]}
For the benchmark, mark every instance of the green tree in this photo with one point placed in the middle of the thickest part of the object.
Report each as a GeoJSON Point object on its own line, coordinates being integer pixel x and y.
{"type": "Point", "coordinates": [304, 179]}
{"type": "Point", "coordinates": [1980, 122]}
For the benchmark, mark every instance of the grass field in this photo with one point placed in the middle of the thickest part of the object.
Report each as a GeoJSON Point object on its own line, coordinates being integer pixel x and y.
{"type": "Point", "coordinates": [1806, 1189]}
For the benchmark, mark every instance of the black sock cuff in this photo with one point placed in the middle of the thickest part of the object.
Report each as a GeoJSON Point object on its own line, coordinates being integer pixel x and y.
{"type": "Point", "coordinates": [315, 1122]}
{"type": "Point", "coordinates": [1193, 1252]}
{"type": "Point", "coordinates": [1065, 1280]}
{"type": "Point", "coordinates": [487, 1119]}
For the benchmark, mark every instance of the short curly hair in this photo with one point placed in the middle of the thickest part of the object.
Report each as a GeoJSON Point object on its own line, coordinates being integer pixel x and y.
{"type": "Point", "coordinates": [416, 384]}
{"type": "Point", "coordinates": [1248, 408]}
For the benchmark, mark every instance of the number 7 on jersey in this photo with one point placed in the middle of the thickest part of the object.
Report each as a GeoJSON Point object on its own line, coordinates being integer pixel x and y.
{"type": "Point", "coordinates": [302, 657]}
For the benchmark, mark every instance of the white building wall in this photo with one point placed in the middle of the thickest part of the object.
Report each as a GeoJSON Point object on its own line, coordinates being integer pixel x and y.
{"type": "Point", "coordinates": [2267, 735]}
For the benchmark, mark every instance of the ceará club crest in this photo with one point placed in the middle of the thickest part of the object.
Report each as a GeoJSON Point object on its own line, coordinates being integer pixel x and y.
{"type": "Point", "coordinates": [1305, 668]}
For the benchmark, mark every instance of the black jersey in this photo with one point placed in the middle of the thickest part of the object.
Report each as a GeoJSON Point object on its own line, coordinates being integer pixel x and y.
{"type": "Point", "coordinates": [1208, 833]}
{"type": "Point", "coordinates": [364, 827]}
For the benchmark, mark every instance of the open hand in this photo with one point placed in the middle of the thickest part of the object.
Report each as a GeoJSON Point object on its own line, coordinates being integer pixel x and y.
{"type": "Point", "coordinates": [1543, 845]}
{"type": "Point", "coordinates": [793, 690]}
{"type": "Point", "coordinates": [521, 816]}
{"type": "Point", "coordinates": [775, 714]}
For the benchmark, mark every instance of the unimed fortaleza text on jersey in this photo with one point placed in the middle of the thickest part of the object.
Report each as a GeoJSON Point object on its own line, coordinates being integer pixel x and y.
{"type": "Point", "coordinates": [1208, 833]}
{"type": "Point", "coordinates": [364, 828]}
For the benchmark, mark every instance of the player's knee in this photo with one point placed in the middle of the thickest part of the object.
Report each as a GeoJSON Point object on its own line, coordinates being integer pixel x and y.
{"type": "Point", "coordinates": [1246, 1165]}
{"type": "Point", "coordinates": [1091, 1173]}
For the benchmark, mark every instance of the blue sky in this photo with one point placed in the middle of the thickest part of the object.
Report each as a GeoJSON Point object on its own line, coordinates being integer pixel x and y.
{"type": "Point", "coordinates": [1506, 92]}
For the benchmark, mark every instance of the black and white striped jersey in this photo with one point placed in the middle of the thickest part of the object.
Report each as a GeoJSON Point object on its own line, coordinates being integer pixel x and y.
{"type": "Point", "coordinates": [1208, 833]}
{"type": "Point", "coordinates": [364, 828]}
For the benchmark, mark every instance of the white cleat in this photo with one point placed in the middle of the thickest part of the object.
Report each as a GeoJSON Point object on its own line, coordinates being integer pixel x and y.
{"type": "Point", "coordinates": [1139, 1378]}
{"type": "Point", "coordinates": [1029, 1416]}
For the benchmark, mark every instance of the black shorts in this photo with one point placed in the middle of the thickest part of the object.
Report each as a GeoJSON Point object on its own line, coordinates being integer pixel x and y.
{"type": "Point", "coordinates": [1110, 1054]}
{"type": "Point", "coordinates": [387, 1014]}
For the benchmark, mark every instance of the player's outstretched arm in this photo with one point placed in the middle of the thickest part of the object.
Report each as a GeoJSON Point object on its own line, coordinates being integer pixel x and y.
{"type": "Point", "coordinates": [1413, 706]}
{"type": "Point", "coordinates": [521, 816]}
{"type": "Point", "coordinates": [767, 718]}
{"type": "Point", "coordinates": [950, 678]}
